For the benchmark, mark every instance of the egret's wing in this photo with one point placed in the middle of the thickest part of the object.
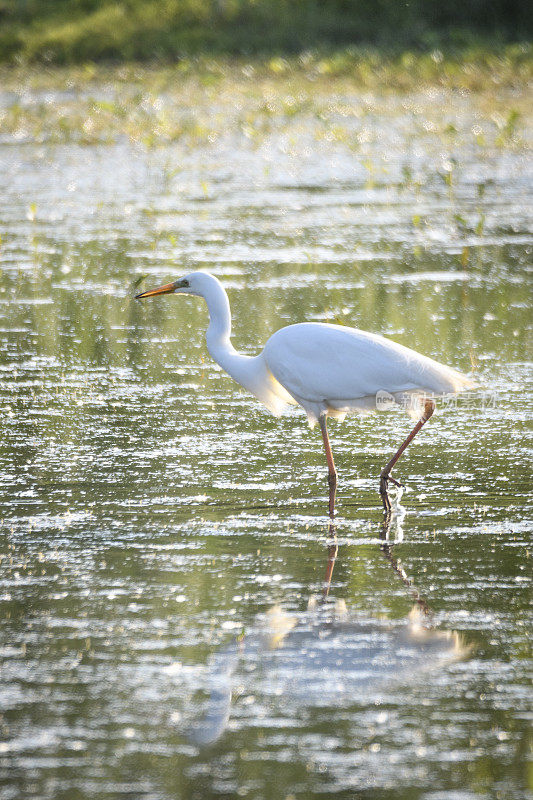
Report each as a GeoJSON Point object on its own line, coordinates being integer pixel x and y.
{"type": "Point", "coordinates": [319, 362]}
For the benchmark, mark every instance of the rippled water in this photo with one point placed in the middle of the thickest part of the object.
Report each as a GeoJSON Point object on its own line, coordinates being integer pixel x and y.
{"type": "Point", "coordinates": [152, 513]}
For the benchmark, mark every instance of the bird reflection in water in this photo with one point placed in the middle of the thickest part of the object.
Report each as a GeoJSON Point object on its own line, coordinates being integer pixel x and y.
{"type": "Point", "coordinates": [326, 655]}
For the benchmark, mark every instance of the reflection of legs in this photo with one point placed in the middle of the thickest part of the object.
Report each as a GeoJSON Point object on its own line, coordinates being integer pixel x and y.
{"type": "Point", "coordinates": [386, 549]}
{"type": "Point", "coordinates": [332, 555]}
{"type": "Point", "coordinates": [332, 472]}
{"type": "Point", "coordinates": [429, 408]}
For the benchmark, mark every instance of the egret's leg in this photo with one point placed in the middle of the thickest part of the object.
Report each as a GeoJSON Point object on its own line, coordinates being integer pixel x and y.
{"type": "Point", "coordinates": [429, 408]}
{"type": "Point", "coordinates": [332, 472]}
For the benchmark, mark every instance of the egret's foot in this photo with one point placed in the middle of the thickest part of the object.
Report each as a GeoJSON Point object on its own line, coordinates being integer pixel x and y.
{"type": "Point", "coordinates": [384, 495]}
{"type": "Point", "coordinates": [385, 527]}
{"type": "Point", "coordinates": [384, 479]}
{"type": "Point", "coordinates": [395, 482]}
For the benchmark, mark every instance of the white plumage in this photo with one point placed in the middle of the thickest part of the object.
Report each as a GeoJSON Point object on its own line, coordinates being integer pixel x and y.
{"type": "Point", "coordinates": [329, 370]}
{"type": "Point", "coordinates": [336, 370]}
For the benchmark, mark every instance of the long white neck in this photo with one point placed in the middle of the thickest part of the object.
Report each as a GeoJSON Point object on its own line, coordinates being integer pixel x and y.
{"type": "Point", "coordinates": [250, 371]}
{"type": "Point", "coordinates": [219, 332]}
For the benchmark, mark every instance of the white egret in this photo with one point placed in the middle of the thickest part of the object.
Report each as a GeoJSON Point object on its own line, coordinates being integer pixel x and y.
{"type": "Point", "coordinates": [329, 370]}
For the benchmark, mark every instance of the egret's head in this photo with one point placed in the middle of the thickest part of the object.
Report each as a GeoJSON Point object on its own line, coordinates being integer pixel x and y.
{"type": "Point", "coordinates": [196, 283]}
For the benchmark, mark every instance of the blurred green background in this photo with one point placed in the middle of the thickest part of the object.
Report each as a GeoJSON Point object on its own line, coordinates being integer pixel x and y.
{"type": "Point", "coordinates": [69, 31]}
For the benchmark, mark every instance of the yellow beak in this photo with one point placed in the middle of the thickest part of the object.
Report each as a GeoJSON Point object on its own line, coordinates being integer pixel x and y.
{"type": "Point", "coordinates": [166, 289]}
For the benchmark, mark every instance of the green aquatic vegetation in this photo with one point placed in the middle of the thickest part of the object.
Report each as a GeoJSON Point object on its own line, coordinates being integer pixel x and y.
{"type": "Point", "coordinates": [158, 106]}
{"type": "Point", "coordinates": [508, 127]}
{"type": "Point", "coordinates": [480, 227]}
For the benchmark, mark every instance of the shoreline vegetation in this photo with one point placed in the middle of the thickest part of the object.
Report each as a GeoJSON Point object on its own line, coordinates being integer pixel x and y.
{"type": "Point", "coordinates": [160, 71]}
{"type": "Point", "coordinates": [368, 67]}
{"type": "Point", "coordinates": [117, 31]}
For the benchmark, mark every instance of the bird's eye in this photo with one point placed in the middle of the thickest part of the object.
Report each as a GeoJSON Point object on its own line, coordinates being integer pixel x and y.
{"type": "Point", "coordinates": [183, 284]}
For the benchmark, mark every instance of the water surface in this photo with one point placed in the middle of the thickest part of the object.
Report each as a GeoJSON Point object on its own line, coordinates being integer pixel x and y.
{"type": "Point", "coordinates": [152, 511]}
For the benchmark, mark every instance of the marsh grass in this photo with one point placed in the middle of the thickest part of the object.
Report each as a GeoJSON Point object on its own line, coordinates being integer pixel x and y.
{"type": "Point", "coordinates": [197, 101]}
